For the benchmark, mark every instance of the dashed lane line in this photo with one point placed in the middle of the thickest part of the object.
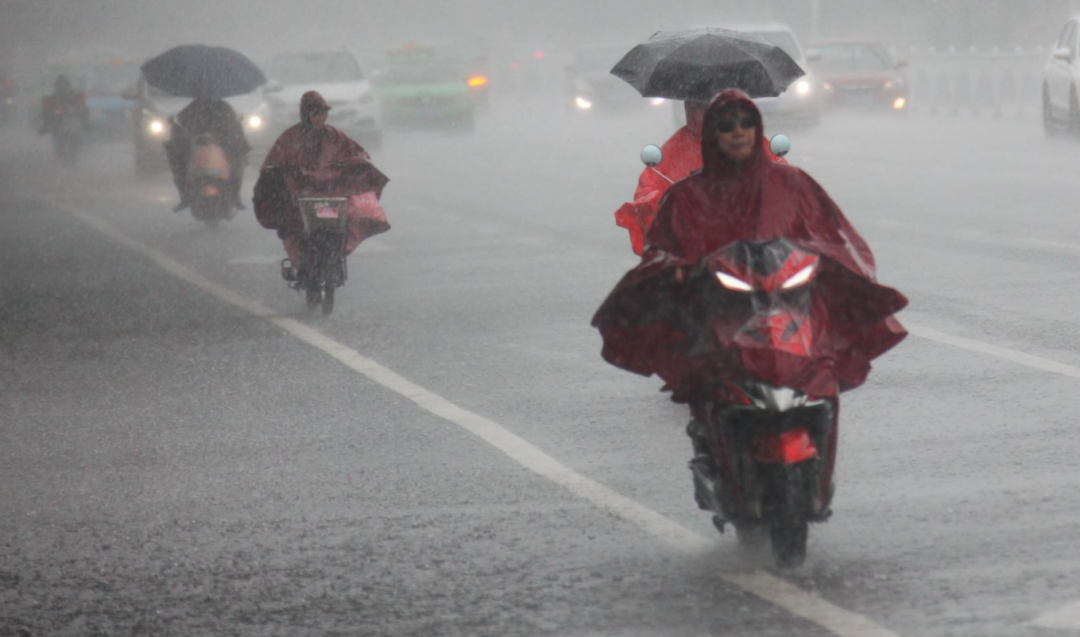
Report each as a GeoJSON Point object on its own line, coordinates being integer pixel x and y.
{"type": "Point", "coordinates": [781, 593]}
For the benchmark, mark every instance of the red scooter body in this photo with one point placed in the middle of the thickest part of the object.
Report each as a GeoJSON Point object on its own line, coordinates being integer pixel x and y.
{"type": "Point", "coordinates": [772, 448]}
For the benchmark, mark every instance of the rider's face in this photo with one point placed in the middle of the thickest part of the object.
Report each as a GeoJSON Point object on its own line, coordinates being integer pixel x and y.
{"type": "Point", "coordinates": [736, 134]}
{"type": "Point", "coordinates": [318, 120]}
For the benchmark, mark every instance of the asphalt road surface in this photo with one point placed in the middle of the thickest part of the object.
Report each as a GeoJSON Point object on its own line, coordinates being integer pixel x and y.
{"type": "Point", "coordinates": [185, 450]}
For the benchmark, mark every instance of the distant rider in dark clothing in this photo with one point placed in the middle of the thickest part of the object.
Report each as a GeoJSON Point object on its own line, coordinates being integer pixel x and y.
{"type": "Point", "coordinates": [220, 120]}
{"type": "Point", "coordinates": [64, 97]}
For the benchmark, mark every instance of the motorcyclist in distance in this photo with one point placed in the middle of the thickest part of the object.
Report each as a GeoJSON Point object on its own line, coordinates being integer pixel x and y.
{"type": "Point", "coordinates": [212, 116]}
{"type": "Point", "coordinates": [64, 96]}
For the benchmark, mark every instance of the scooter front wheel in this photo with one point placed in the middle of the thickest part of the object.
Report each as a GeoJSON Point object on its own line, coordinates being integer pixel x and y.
{"type": "Point", "coordinates": [314, 298]}
{"type": "Point", "coordinates": [788, 526]}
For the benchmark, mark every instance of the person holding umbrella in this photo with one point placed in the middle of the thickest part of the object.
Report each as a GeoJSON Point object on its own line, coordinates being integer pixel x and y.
{"type": "Point", "coordinates": [202, 116]}
{"type": "Point", "coordinates": [209, 75]}
{"type": "Point", "coordinates": [694, 66]}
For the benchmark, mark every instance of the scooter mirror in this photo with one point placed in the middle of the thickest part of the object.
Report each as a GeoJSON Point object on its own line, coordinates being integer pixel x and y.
{"type": "Point", "coordinates": [780, 145]}
{"type": "Point", "coordinates": [651, 155]}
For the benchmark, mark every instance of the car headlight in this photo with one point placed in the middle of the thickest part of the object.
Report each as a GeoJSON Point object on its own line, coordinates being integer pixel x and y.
{"type": "Point", "coordinates": [803, 87]}
{"type": "Point", "coordinates": [582, 103]}
{"type": "Point", "coordinates": [657, 101]}
{"type": "Point", "coordinates": [255, 122]}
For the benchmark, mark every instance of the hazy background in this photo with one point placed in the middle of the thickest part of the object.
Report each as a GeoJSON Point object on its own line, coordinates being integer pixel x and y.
{"type": "Point", "coordinates": [31, 29]}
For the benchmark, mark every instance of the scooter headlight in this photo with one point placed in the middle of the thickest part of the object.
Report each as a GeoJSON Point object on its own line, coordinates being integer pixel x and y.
{"type": "Point", "coordinates": [802, 277]}
{"type": "Point", "coordinates": [733, 283]}
{"type": "Point", "coordinates": [255, 122]}
{"type": "Point", "coordinates": [803, 87]}
{"type": "Point", "coordinates": [583, 103]}
{"type": "Point", "coordinates": [156, 127]}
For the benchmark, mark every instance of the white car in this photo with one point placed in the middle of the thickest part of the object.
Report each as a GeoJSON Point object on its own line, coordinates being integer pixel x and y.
{"type": "Point", "coordinates": [1060, 103]}
{"type": "Point", "coordinates": [336, 75]}
{"type": "Point", "coordinates": [800, 104]}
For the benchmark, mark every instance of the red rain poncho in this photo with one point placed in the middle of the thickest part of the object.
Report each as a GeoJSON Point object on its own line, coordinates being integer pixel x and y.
{"type": "Point", "coordinates": [851, 313]}
{"type": "Point", "coordinates": [682, 156]}
{"type": "Point", "coordinates": [337, 167]}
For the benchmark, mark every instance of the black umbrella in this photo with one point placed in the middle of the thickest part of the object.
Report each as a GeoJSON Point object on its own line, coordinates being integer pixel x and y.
{"type": "Point", "coordinates": [203, 71]}
{"type": "Point", "coordinates": [696, 64]}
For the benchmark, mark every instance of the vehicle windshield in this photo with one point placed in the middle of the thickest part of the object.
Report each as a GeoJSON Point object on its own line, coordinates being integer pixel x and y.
{"type": "Point", "coordinates": [783, 40]}
{"type": "Point", "coordinates": [844, 57]}
{"type": "Point", "coordinates": [314, 68]}
{"type": "Point", "coordinates": [111, 80]}
{"type": "Point", "coordinates": [422, 73]}
{"type": "Point", "coordinates": [600, 59]}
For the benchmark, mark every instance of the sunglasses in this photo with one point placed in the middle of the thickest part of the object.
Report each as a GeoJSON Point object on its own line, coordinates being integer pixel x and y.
{"type": "Point", "coordinates": [728, 125]}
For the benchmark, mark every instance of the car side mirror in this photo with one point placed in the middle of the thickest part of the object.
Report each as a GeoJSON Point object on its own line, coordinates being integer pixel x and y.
{"type": "Point", "coordinates": [780, 145]}
{"type": "Point", "coordinates": [651, 155]}
{"type": "Point", "coordinates": [273, 87]}
{"type": "Point", "coordinates": [1062, 54]}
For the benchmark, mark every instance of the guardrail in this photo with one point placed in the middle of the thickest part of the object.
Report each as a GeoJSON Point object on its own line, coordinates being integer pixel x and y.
{"type": "Point", "coordinates": [974, 83]}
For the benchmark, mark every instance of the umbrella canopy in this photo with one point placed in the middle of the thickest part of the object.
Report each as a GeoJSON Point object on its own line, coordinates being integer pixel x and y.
{"type": "Point", "coordinates": [696, 64]}
{"type": "Point", "coordinates": [210, 72]}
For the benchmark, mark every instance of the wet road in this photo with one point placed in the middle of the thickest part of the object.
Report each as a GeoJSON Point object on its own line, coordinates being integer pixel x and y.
{"type": "Point", "coordinates": [181, 454]}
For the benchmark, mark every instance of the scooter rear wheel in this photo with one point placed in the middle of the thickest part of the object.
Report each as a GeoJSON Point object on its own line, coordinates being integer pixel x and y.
{"type": "Point", "coordinates": [328, 300]}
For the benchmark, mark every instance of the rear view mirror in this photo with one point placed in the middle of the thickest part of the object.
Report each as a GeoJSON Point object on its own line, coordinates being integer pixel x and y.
{"type": "Point", "coordinates": [273, 87]}
{"type": "Point", "coordinates": [651, 155]}
{"type": "Point", "coordinates": [1062, 54]}
{"type": "Point", "coordinates": [780, 145]}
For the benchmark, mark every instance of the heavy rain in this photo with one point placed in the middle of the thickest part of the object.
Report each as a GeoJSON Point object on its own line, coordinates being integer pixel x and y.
{"type": "Point", "coordinates": [299, 310]}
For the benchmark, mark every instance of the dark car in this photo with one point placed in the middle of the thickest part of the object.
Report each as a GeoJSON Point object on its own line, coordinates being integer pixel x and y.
{"type": "Point", "coordinates": [589, 85]}
{"type": "Point", "coordinates": [860, 74]}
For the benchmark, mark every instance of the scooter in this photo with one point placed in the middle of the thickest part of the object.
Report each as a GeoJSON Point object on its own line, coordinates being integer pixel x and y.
{"type": "Point", "coordinates": [764, 454]}
{"type": "Point", "coordinates": [324, 266]}
{"type": "Point", "coordinates": [209, 177]}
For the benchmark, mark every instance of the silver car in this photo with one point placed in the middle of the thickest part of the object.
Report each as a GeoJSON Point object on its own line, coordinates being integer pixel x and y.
{"type": "Point", "coordinates": [1060, 105]}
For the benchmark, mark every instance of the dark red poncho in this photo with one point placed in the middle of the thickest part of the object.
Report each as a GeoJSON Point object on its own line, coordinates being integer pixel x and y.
{"type": "Point", "coordinates": [337, 167]}
{"type": "Point", "coordinates": [642, 323]}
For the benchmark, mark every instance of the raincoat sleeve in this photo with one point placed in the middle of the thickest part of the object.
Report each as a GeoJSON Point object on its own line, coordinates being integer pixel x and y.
{"type": "Point", "coordinates": [661, 235]}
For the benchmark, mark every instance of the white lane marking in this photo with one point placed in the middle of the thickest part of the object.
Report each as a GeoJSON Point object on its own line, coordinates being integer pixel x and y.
{"type": "Point", "coordinates": [1067, 618]}
{"type": "Point", "coordinates": [766, 586]}
{"type": "Point", "coordinates": [1028, 360]}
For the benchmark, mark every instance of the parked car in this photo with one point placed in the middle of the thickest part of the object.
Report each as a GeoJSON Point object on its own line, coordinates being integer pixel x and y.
{"type": "Point", "coordinates": [860, 74]}
{"type": "Point", "coordinates": [1061, 75]}
{"type": "Point", "coordinates": [590, 87]}
{"type": "Point", "coordinates": [150, 122]}
{"type": "Point", "coordinates": [337, 76]}
{"type": "Point", "coordinates": [418, 88]}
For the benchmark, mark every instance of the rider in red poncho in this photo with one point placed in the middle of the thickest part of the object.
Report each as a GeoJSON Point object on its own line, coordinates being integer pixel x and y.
{"type": "Point", "coordinates": [682, 156]}
{"type": "Point", "coordinates": [741, 195]}
{"type": "Point", "coordinates": [317, 159]}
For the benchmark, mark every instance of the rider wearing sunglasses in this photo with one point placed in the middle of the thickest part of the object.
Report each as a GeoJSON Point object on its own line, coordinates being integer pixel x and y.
{"type": "Point", "coordinates": [682, 156]}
